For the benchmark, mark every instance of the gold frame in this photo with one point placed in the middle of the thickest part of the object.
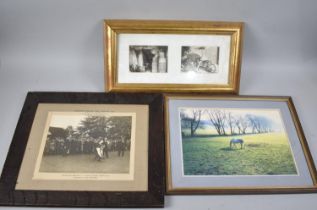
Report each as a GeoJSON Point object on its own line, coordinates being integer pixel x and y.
{"type": "Point", "coordinates": [240, 190]}
{"type": "Point", "coordinates": [112, 28]}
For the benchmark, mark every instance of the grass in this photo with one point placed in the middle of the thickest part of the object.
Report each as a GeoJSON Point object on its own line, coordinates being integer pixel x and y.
{"type": "Point", "coordinates": [263, 154]}
{"type": "Point", "coordinates": [85, 163]}
{"type": "Point", "coordinates": [201, 132]}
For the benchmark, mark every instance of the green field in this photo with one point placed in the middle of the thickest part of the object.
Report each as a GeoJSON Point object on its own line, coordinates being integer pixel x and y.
{"type": "Point", "coordinates": [263, 154]}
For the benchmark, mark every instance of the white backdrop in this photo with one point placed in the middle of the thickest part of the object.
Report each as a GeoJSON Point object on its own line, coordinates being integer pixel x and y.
{"type": "Point", "coordinates": [56, 45]}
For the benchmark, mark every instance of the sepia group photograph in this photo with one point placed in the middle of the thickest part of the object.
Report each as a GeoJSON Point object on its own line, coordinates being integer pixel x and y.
{"type": "Point", "coordinates": [86, 143]}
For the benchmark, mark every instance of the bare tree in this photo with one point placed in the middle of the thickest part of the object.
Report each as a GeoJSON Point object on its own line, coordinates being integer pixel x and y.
{"type": "Point", "coordinates": [259, 124]}
{"type": "Point", "coordinates": [192, 121]}
{"type": "Point", "coordinates": [218, 120]}
{"type": "Point", "coordinates": [238, 125]}
{"type": "Point", "coordinates": [242, 124]}
{"type": "Point", "coordinates": [231, 122]}
{"type": "Point", "coordinates": [195, 121]}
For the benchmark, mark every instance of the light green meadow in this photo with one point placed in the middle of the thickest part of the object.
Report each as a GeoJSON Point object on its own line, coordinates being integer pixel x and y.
{"type": "Point", "coordinates": [263, 154]}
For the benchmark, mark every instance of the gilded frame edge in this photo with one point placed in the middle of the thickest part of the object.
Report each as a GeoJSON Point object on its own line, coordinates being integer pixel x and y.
{"type": "Point", "coordinates": [170, 190]}
{"type": "Point", "coordinates": [113, 27]}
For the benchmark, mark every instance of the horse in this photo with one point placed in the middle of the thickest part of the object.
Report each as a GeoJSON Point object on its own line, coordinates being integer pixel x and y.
{"type": "Point", "coordinates": [233, 142]}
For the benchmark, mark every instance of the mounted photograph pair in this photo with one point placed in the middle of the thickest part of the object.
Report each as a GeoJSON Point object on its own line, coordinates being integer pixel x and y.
{"type": "Point", "coordinates": [172, 56]}
{"type": "Point", "coordinates": [130, 149]}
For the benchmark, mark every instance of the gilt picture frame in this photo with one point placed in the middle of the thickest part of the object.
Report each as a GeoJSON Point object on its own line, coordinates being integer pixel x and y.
{"type": "Point", "coordinates": [172, 56]}
{"type": "Point", "coordinates": [86, 150]}
{"type": "Point", "coordinates": [236, 145]}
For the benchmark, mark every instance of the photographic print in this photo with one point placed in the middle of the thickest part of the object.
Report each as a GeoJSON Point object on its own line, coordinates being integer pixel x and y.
{"type": "Point", "coordinates": [236, 145]}
{"type": "Point", "coordinates": [200, 59]}
{"type": "Point", "coordinates": [219, 141]}
{"type": "Point", "coordinates": [87, 143]}
{"type": "Point", "coordinates": [148, 59]}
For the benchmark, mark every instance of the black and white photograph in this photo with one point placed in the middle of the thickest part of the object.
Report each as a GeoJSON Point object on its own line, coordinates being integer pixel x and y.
{"type": "Point", "coordinates": [200, 59]}
{"type": "Point", "coordinates": [148, 59]}
{"type": "Point", "coordinates": [87, 143]}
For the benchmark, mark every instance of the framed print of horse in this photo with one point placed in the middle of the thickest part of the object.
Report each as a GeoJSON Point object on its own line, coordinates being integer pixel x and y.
{"type": "Point", "coordinates": [86, 150]}
{"type": "Point", "coordinates": [236, 144]}
{"type": "Point", "coordinates": [172, 56]}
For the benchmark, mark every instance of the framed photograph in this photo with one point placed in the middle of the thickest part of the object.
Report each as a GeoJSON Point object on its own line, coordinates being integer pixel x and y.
{"type": "Point", "coordinates": [86, 150]}
{"type": "Point", "coordinates": [172, 56]}
{"type": "Point", "coordinates": [236, 145]}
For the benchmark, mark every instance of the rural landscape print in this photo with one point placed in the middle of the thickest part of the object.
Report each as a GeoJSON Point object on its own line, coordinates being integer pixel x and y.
{"type": "Point", "coordinates": [224, 141]}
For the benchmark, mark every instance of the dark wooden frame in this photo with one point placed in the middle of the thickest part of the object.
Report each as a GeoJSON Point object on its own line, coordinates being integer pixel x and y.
{"type": "Point", "coordinates": [154, 197]}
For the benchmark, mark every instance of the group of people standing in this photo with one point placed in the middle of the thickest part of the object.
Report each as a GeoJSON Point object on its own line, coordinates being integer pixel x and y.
{"type": "Point", "coordinates": [99, 146]}
{"type": "Point", "coordinates": [103, 148]}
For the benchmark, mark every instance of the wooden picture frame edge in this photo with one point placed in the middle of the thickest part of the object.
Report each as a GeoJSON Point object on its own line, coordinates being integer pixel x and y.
{"type": "Point", "coordinates": [112, 27]}
{"type": "Point", "coordinates": [170, 190]}
{"type": "Point", "coordinates": [154, 197]}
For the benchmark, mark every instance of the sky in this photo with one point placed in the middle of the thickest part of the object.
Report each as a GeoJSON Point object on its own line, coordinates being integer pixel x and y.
{"type": "Point", "coordinates": [272, 114]}
{"type": "Point", "coordinates": [64, 120]}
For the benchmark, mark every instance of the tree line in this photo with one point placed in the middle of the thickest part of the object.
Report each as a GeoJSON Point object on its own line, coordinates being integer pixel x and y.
{"type": "Point", "coordinates": [225, 122]}
{"type": "Point", "coordinates": [102, 126]}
